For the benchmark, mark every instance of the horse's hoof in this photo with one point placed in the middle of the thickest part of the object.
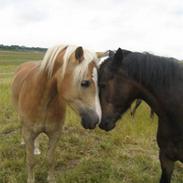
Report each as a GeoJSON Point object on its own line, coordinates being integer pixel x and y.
{"type": "Point", "coordinates": [37, 151]}
{"type": "Point", "coordinates": [51, 180]}
{"type": "Point", "coordinates": [30, 181]}
{"type": "Point", "coordinates": [22, 143]}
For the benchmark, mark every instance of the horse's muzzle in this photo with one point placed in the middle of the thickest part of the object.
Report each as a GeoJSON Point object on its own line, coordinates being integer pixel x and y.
{"type": "Point", "coordinates": [89, 119]}
{"type": "Point", "coordinates": [107, 124]}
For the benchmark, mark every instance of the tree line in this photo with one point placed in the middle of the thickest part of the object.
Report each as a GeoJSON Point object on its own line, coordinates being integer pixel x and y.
{"type": "Point", "coordinates": [21, 48]}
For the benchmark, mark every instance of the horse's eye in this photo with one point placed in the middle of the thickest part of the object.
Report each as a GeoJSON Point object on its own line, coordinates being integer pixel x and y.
{"type": "Point", "coordinates": [85, 83]}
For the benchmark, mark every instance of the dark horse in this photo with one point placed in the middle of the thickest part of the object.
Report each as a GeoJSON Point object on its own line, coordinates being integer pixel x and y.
{"type": "Point", "coordinates": [127, 76]}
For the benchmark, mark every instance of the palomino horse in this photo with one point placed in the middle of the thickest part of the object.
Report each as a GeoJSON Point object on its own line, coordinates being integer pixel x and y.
{"type": "Point", "coordinates": [158, 81]}
{"type": "Point", "coordinates": [41, 90]}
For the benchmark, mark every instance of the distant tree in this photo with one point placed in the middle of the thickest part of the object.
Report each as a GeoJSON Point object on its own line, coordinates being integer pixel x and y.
{"type": "Point", "coordinates": [21, 48]}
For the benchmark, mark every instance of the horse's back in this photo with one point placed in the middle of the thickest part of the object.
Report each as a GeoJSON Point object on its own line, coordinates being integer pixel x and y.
{"type": "Point", "coordinates": [20, 75]}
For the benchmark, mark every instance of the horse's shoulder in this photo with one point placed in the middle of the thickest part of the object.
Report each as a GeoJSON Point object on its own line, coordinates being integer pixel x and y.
{"type": "Point", "coordinates": [22, 73]}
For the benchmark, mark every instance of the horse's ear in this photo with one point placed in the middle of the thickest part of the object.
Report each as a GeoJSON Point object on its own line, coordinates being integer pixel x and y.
{"type": "Point", "coordinates": [79, 54]}
{"type": "Point", "coordinates": [117, 59]}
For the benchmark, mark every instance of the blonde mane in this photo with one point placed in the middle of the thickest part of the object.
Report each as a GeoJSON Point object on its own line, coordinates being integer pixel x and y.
{"type": "Point", "coordinates": [50, 56]}
{"type": "Point", "coordinates": [81, 69]}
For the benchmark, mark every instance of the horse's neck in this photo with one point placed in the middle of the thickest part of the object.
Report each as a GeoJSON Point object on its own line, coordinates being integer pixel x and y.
{"type": "Point", "coordinates": [149, 97]}
{"type": "Point", "coordinates": [44, 87]}
{"type": "Point", "coordinates": [49, 83]}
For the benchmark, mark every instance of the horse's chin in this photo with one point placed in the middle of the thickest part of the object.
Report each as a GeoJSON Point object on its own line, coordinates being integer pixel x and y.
{"type": "Point", "coordinates": [109, 129]}
{"type": "Point", "coordinates": [108, 123]}
{"type": "Point", "coordinates": [90, 127]}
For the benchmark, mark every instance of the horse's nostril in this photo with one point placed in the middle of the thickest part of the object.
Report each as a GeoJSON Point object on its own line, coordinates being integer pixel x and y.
{"type": "Point", "coordinates": [107, 124]}
{"type": "Point", "coordinates": [89, 120]}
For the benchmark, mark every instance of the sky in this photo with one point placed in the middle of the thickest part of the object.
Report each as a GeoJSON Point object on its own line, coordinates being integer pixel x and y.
{"type": "Point", "coordinates": [155, 26]}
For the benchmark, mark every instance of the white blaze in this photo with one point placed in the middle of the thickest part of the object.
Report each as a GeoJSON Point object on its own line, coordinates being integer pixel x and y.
{"type": "Point", "coordinates": [97, 101]}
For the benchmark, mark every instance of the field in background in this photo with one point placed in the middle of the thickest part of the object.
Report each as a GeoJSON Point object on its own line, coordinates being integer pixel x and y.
{"type": "Point", "coordinates": [127, 154]}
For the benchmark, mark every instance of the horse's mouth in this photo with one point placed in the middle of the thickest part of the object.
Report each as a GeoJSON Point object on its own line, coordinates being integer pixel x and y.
{"type": "Point", "coordinates": [107, 126]}
{"type": "Point", "coordinates": [88, 125]}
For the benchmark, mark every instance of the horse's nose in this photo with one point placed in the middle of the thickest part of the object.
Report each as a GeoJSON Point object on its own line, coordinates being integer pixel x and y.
{"type": "Point", "coordinates": [89, 121]}
{"type": "Point", "coordinates": [107, 124]}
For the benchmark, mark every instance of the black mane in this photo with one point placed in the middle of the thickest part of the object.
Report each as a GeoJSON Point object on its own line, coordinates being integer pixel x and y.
{"type": "Point", "coordinates": [152, 70]}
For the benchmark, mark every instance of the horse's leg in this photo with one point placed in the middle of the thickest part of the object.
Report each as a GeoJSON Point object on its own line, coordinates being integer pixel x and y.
{"type": "Point", "coordinates": [29, 144]}
{"type": "Point", "coordinates": [53, 139]}
{"type": "Point", "coordinates": [36, 147]}
{"type": "Point", "coordinates": [21, 133]}
{"type": "Point", "coordinates": [152, 114]}
{"type": "Point", "coordinates": [36, 144]}
{"type": "Point", "coordinates": [167, 167]}
{"type": "Point", "coordinates": [22, 141]}
{"type": "Point", "coordinates": [131, 109]}
{"type": "Point", "coordinates": [137, 103]}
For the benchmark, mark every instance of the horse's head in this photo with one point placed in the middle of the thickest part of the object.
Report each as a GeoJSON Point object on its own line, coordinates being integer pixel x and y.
{"type": "Point", "coordinates": [115, 89]}
{"type": "Point", "coordinates": [77, 84]}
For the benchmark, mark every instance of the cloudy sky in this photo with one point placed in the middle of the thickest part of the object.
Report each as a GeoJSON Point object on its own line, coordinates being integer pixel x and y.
{"type": "Point", "coordinates": [139, 25]}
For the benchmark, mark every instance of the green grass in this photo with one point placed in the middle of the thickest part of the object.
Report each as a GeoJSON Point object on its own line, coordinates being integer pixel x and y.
{"type": "Point", "coordinates": [17, 57]}
{"type": "Point", "coordinates": [9, 61]}
{"type": "Point", "coordinates": [127, 154]}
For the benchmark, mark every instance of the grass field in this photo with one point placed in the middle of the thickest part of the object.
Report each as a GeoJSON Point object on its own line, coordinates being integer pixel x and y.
{"type": "Point", "coordinates": [127, 154]}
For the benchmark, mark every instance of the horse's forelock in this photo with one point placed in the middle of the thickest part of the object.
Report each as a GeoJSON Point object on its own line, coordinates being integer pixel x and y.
{"type": "Point", "coordinates": [81, 69]}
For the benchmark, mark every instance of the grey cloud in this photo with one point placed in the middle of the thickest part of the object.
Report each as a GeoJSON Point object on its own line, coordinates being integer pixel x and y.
{"type": "Point", "coordinates": [8, 3]}
{"type": "Point", "coordinates": [25, 12]}
{"type": "Point", "coordinates": [132, 24]}
{"type": "Point", "coordinates": [32, 16]}
{"type": "Point", "coordinates": [179, 12]}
